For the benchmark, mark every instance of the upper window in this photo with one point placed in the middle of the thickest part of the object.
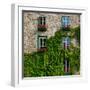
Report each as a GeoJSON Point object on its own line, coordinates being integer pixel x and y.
{"type": "Point", "coordinates": [65, 20]}
{"type": "Point", "coordinates": [66, 42]}
{"type": "Point", "coordinates": [42, 20]}
{"type": "Point", "coordinates": [42, 23]}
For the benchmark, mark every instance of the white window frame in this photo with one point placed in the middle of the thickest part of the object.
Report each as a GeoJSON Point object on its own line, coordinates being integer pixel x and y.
{"type": "Point", "coordinates": [41, 37]}
{"type": "Point", "coordinates": [42, 19]}
{"type": "Point", "coordinates": [16, 54]}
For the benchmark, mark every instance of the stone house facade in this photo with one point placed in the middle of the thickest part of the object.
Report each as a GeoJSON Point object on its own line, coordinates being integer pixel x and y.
{"type": "Point", "coordinates": [37, 26]}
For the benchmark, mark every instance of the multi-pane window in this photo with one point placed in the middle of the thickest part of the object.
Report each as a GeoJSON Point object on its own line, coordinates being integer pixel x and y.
{"type": "Point", "coordinates": [42, 41]}
{"type": "Point", "coordinates": [42, 20]}
{"type": "Point", "coordinates": [66, 42]}
{"type": "Point", "coordinates": [42, 23]}
{"type": "Point", "coordinates": [65, 20]}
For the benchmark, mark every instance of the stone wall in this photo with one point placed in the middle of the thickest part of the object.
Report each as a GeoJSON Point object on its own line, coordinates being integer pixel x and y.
{"type": "Point", "coordinates": [53, 21]}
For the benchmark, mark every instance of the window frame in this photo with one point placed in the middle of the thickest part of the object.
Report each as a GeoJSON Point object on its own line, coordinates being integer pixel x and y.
{"type": "Point", "coordinates": [16, 52]}
{"type": "Point", "coordinates": [41, 37]}
{"type": "Point", "coordinates": [42, 23]}
{"type": "Point", "coordinates": [65, 21]}
{"type": "Point", "coordinates": [67, 41]}
{"type": "Point", "coordinates": [42, 20]}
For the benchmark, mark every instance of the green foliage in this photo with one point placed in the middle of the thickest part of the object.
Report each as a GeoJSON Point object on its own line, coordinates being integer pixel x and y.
{"type": "Point", "coordinates": [77, 33]}
{"type": "Point", "coordinates": [51, 62]}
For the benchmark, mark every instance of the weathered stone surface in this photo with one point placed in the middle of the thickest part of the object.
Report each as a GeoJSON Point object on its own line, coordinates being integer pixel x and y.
{"type": "Point", "coordinates": [53, 22]}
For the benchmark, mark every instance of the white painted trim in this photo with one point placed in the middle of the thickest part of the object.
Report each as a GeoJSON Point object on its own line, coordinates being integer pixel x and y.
{"type": "Point", "coordinates": [16, 78]}
{"type": "Point", "coordinates": [41, 37]}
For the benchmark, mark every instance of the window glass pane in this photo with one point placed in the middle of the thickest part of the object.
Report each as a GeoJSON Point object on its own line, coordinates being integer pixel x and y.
{"type": "Point", "coordinates": [44, 42]}
{"type": "Point", "coordinates": [40, 20]}
{"type": "Point", "coordinates": [68, 41]}
{"type": "Point", "coordinates": [44, 21]}
{"type": "Point", "coordinates": [66, 65]}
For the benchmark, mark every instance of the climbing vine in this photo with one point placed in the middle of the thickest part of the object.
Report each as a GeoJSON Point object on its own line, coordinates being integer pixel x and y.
{"type": "Point", "coordinates": [50, 62]}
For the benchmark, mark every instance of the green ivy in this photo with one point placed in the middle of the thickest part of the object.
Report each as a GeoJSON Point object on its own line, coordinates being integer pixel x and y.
{"type": "Point", "coordinates": [50, 62]}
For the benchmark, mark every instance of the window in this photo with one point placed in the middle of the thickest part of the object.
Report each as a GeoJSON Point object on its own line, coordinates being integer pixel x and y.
{"type": "Point", "coordinates": [42, 20]}
{"type": "Point", "coordinates": [42, 42]}
{"type": "Point", "coordinates": [42, 23]}
{"type": "Point", "coordinates": [66, 42]}
{"type": "Point", "coordinates": [65, 20]}
{"type": "Point", "coordinates": [66, 65]}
